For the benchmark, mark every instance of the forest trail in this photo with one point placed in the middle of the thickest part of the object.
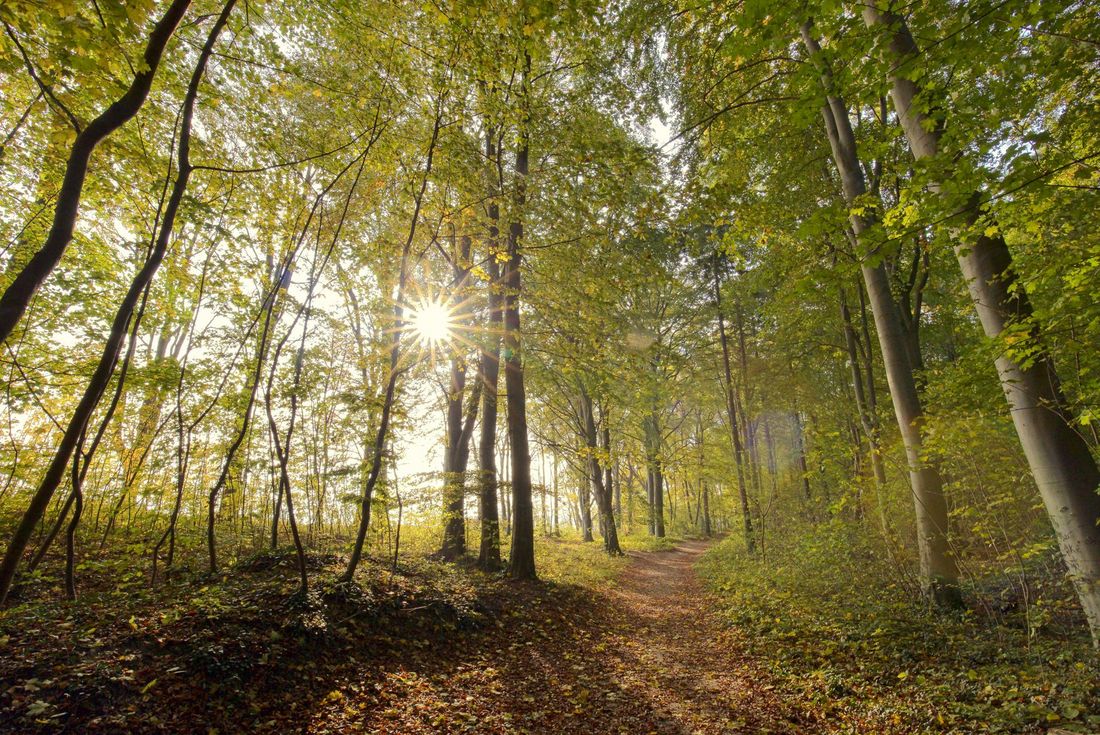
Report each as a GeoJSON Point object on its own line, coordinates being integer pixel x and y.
{"type": "Point", "coordinates": [646, 652]}
{"type": "Point", "coordinates": [647, 655]}
{"type": "Point", "coordinates": [675, 653]}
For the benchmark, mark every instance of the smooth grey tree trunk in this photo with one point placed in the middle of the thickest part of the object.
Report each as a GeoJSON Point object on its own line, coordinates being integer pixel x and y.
{"type": "Point", "coordinates": [938, 570]}
{"type": "Point", "coordinates": [1060, 461]}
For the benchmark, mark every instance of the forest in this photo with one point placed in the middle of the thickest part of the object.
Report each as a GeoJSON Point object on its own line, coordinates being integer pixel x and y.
{"type": "Point", "coordinates": [549, 366]}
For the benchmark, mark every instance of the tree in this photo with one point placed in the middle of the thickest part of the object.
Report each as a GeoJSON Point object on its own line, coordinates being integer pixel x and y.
{"type": "Point", "coordinates": [521, 563]}
{"type": "Point", "coordinates": [19, 292]}
{"type": "Point", "coordinates": [939, 573]}
{"type": "Point", "coordinates": [1060, 460]}
{"type": "Point", "coordinates": [107, 361]}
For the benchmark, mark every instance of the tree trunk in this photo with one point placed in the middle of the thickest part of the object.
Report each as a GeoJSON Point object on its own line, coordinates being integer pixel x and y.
{"type": "Point", "coordinates": [1059, 458]}
{"type": "Point", "coordinates": [389, 394]}
{"type": "Point", "coordinates": [104, 369]}
{"type": "Point", "coordinates": [506, 497]}
{"type": "Point", "coordinates": [731, 415]}
{"type": "Point", "coordinates": [601, 487]}
{"type": "Point", "coordinates": [800, 447]}
{"type": "Point", "coordinates": [19, 293]}
{"type": "Point", "coordinates": [557, 530]}
{"type": "Point", "coordinates": [457, 452]}
{"type": "Point", "coordinates": [584, 504]}
{"type": "Point", "coordinates": [707, 530]}
{"type": "Point", "coordinates": [489, 372]}
{"type": "Point", "coordinates": [650, 481]}
{"type": "Point", "coordinates": [70, 532]}
{"type": "Point", "coordinates": [867, 419]}
{"type": "Point", "coordinates": [608, 475]}
{"type": "Point", "coordinates": [938, 570]}
{"type": "Point", "coordinates": [658, 500]}
{"type": "Point", "coordinates": [617, 477]}
{"type": "Point", "coordinates": [655, 485]}
{"type": "Point", "coordinates": [703, 502]}
{"type": "Point", "coordinates": [521, 564]}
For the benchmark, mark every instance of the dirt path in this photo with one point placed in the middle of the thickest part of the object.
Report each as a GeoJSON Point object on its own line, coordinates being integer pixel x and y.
{"type": "Point", "coordinates": [678, 655]}
{"type": "Point", "coordinates": [648, 656]}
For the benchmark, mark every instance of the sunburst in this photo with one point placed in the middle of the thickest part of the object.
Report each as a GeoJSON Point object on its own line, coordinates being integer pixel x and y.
{"type": "Point", "coordinates": [432, 322]}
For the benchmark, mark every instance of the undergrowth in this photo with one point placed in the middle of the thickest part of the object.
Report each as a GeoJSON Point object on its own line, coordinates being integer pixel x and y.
{"type": "Point", "coordinates": [839, 632]}
{"type": "Point", "coordinates": [102, 663]}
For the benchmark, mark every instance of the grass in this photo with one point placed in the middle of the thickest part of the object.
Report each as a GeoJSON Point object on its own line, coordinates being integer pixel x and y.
{"type": "Point", "coordinates": [645, 542]}
{"type": "Point", "coordinates": [569, 561]}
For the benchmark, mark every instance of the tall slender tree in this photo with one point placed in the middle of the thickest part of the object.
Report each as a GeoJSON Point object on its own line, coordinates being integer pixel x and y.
{"type": "Point", "coordinates": [938, 568]}
{"type": "Point", "coordinates": [109, 357]}
{"type": "Point", "coordinates": [1060, 459]}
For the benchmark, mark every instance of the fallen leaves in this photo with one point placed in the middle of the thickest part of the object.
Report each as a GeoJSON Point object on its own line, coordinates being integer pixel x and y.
{"type": "Point", "coordinates": [421, 653]}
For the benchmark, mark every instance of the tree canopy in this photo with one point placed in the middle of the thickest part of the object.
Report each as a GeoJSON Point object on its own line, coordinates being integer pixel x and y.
{"type": "Point", "coordinates": [396, 280]}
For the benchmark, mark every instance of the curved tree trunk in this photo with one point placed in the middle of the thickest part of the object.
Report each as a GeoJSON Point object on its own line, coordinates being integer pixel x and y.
{"type": "Point", "coordinates": [1059, 457]}
{"type": "Point", "coordinates": [19, 293]}
{"type": "Point", "coordinates": [70, 532]}
{"type": "Point", "coordinates": [390, 392]}
{"type": "Point", "coordinates": [102, 375]}
{"type": "Point", "coordinates": [938, 571]}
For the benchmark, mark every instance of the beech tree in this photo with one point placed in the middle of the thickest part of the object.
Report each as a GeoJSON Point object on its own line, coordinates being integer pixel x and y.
{"type": "Point", "coordinates": [267, 274]}
{"type": "Point", "coordinates": [1060, 460]}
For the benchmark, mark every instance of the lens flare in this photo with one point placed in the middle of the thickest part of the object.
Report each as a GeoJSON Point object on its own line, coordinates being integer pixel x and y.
{"type": "Point", "coordinates": [431, 321]}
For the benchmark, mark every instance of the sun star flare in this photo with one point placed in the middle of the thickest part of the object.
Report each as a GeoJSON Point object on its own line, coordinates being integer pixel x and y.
{"type": "Point", "coordinates": [432, 322]}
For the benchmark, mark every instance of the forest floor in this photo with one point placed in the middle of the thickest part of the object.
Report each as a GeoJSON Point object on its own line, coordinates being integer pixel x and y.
{"type": "Point", "coordinates": [646, 655]}
{"type": "Point", "coordinates": [642, 651]}
{"type": "Point", "coordinates": [642, 646]}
